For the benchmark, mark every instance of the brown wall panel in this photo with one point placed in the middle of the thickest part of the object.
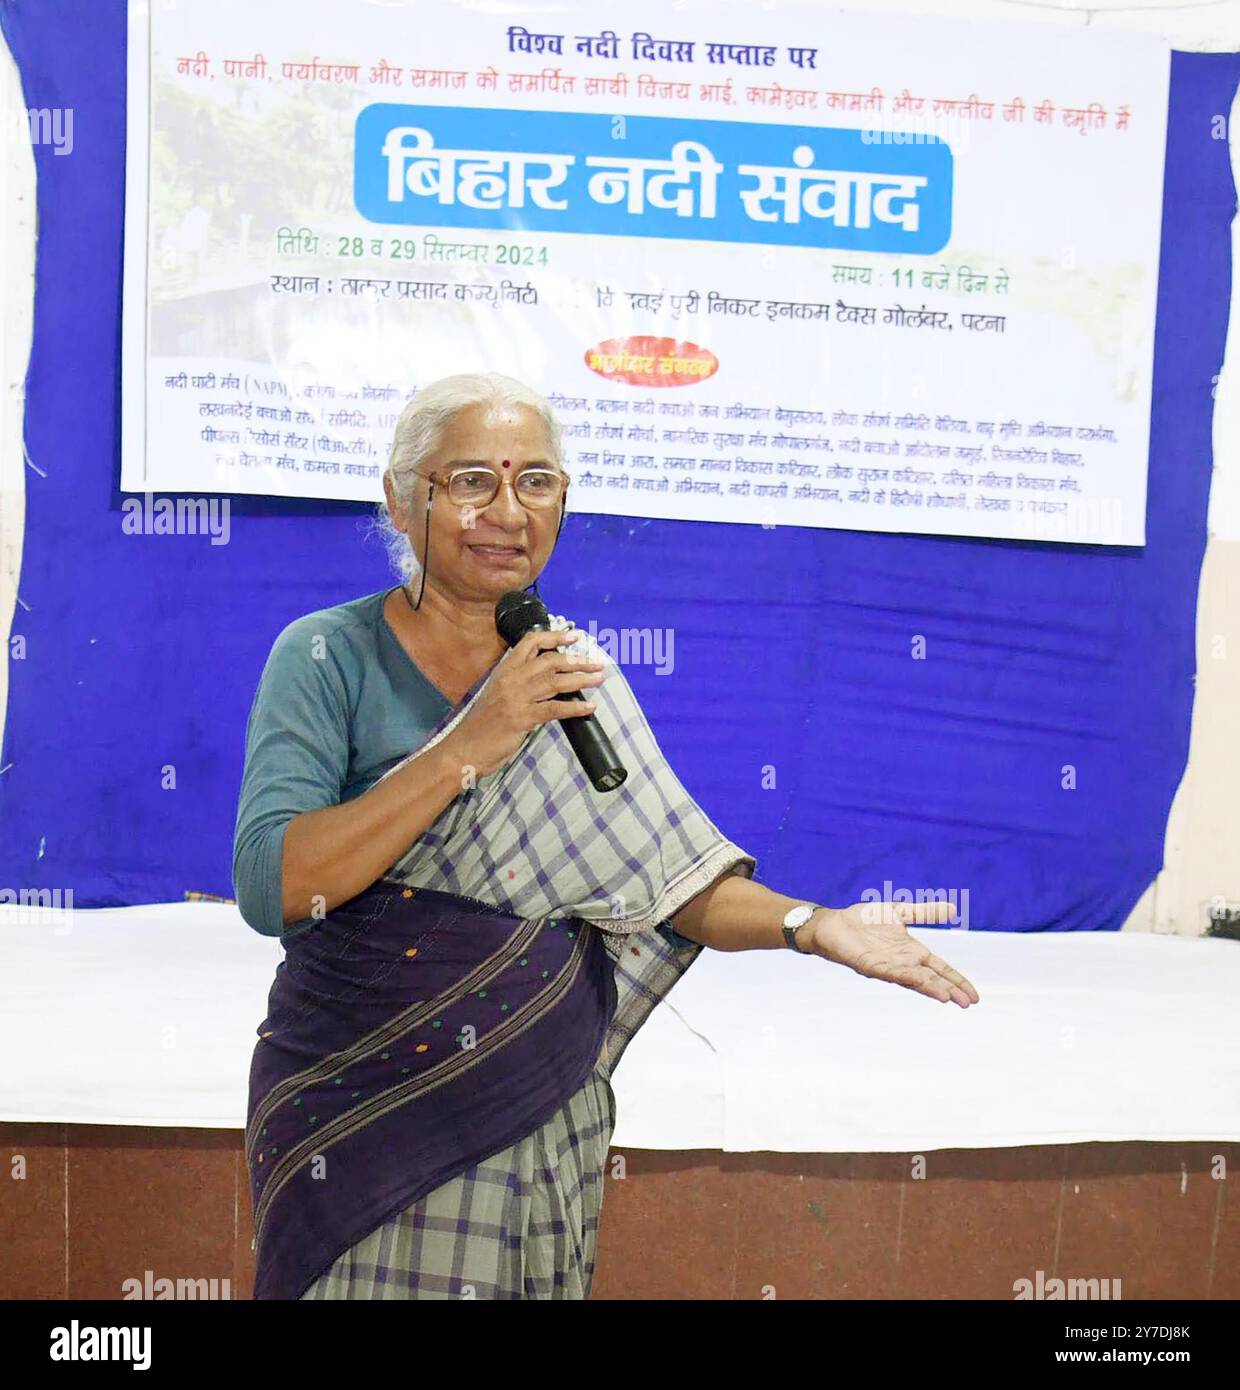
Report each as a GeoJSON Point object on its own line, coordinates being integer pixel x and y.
{"type": "Point", "coordinates": [704, 1225]}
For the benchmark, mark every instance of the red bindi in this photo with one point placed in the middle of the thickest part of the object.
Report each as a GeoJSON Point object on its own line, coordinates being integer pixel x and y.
{"type": "Point", "coordinates": [505, 463]}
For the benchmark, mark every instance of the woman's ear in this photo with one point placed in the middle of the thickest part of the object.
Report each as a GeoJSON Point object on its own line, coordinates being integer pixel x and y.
{"type": "Point", "coordinates": [394, 511]}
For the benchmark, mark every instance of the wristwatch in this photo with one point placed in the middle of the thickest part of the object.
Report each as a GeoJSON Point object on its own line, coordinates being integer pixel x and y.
{"type": "Point", "coordinates": [797, 917]}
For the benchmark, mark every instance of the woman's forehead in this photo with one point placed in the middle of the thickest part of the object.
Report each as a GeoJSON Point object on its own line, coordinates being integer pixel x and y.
{"type": "Point", "coordinates": [500, 430]}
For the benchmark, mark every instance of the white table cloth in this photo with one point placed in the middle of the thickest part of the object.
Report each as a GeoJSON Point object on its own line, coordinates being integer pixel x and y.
{"type": "Point", "coordinates": [148, 1016]}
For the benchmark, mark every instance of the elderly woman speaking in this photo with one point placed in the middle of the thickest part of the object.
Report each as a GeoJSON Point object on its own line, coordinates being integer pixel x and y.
{"type": "Point", "coordinates": [472, 930]}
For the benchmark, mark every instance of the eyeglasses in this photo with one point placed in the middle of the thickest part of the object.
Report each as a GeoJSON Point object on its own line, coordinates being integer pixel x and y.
{"type": "Point", "coordinates": [477, 487]}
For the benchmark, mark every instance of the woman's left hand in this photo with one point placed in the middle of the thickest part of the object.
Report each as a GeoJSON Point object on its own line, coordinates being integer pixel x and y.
{"type": "Point", "coordinates": [872, 939]}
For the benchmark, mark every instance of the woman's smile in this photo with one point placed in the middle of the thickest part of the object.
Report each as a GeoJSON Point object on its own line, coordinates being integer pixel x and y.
{"type": "Point", "coordinates": [498, 554]}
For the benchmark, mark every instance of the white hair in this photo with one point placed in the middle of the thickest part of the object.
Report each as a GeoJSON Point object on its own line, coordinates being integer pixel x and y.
{"type": "Point", "coordinates": [420, 428]}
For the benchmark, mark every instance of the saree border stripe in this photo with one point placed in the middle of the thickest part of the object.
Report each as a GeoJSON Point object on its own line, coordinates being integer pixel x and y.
{"type": "Point", "coordinates": [460, 1062]}
{"type": "Point", "coordinates": [408, 1018]}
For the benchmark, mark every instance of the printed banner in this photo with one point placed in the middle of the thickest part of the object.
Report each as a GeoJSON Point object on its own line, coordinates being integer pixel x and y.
{"type": "Point", "coordinates": [780, 270]}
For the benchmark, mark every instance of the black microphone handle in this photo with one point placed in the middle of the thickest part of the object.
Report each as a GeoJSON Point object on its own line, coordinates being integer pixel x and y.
{"type": "Point", "coordinates": [518, 612]}
{"type": "Point", "coordinates": [593, 748]}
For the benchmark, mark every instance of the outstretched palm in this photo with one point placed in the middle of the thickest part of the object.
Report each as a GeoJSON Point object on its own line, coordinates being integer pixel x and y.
{"type": "Point", "coordinates": [872, 939]}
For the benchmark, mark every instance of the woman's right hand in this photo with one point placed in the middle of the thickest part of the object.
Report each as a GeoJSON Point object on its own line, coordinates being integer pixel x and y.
{"type": "Point", "coordinates": [520, 695]}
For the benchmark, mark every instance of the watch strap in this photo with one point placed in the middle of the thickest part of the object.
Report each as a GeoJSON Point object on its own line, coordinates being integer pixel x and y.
{"type": "Point", "coordinates": [803, 912]}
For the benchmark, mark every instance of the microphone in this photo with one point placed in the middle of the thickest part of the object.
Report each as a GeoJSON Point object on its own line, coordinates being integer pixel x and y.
{"type": "Point", "coordinates": [519, 612]}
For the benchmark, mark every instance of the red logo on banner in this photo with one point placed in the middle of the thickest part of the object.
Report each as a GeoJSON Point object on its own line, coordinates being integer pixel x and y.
{"type": "Point", "coordinates": [646, 361]}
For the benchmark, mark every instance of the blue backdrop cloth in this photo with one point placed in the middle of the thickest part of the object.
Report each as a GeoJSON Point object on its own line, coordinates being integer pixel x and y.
{"type": "Point", "coordinates": [792, 646]}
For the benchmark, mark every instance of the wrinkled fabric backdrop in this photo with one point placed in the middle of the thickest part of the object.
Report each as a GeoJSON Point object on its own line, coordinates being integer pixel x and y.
{"type": "Point", "coordinates": [792, 646]}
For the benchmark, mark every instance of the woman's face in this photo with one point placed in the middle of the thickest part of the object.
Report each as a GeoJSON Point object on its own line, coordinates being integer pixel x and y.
{"type": "Point", "coordinates": [484, 553]}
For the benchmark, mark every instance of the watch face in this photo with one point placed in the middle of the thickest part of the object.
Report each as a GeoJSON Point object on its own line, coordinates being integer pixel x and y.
{"type": "Point", "coordinates": [798, 916]}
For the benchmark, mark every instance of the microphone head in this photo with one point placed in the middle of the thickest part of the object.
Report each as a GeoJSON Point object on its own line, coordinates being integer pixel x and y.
{"type": "Point", "coordinates": [519, 612]}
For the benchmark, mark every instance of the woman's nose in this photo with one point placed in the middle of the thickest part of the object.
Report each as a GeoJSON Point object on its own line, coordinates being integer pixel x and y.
{"type": "Point", "coordinates": [506, 507]}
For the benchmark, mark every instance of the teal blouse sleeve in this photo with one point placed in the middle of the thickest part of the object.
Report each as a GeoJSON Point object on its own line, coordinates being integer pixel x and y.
{"type": "Point", "coordinates": [673, 937]}
{"type": "Point", "coordinates": [296, 760]}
